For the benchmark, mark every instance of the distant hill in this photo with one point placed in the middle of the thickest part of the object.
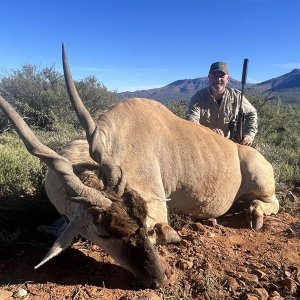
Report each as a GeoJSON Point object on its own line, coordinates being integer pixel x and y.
{"type": "Point", "coordinates": [285, 87]}
{"type": "Point", "coordinates": [177, 90]}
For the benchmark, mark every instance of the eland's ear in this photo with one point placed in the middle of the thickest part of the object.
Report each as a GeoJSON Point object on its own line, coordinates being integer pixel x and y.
{"type": "Point", "coordinates": [64, 241]}
{"type": "Point", "coordinates": [136, 204]}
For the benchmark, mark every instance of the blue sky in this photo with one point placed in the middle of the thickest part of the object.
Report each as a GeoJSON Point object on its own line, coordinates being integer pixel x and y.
{"type": "Point", "coordinates": [136, 44]}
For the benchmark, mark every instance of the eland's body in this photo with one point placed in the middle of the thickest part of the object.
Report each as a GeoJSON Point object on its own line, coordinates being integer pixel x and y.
{"type": "Point", "coordinates": [166, 157]}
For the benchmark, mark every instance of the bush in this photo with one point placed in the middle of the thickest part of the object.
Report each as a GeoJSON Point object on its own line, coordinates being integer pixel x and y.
{"type": "Point", "coordinates": [177, 107]}
{"type": "Point", "coordinates": [23, 201]}
{"type": "Point", "coordinates": [21, 173]}
{"type": "Point", "coordinates": [41, 98]}
{"type": "Point", "coordinates": [59, 137]}
{"type": "Point", "coordinates": [279, 139]}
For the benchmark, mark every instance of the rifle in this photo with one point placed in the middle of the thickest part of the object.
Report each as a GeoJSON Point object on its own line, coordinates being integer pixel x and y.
{"type": "Point", "coordinates": [237, 125]}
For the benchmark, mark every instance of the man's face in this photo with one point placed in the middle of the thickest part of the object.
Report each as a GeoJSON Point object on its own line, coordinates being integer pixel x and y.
{"type": "Point", "coordinates": [218, 81]}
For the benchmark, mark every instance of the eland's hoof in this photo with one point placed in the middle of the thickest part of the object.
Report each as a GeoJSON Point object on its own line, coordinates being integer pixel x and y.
{"type": "Point", "coordinates": [255, 220]}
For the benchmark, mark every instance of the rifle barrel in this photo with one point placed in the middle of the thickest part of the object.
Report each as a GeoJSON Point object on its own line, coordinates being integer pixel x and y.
{"type": "Point", "coordinates": [245, 71]}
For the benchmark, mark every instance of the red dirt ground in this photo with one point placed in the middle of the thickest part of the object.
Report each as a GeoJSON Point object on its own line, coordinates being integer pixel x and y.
{"type": "Point", "coordinates": [229, 261]}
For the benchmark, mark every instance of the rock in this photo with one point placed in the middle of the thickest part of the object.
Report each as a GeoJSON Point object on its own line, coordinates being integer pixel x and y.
{"type": "Point", "coordinates": [198, 227]}
{"type": "Point", "coordinates": [206, 265]}
{"type": "Point", "coordinates": [291, 197]}
{"type": "Point", "coordinates": [149, 296]}
{"type": "Point", "coordinates": [297, 183]}
{"type": "Point", "coordinates": [197, 250]}
{"type": "Point", "coordinates": [262, 293]}
{"type": "Point", "coordinates": [186, 285]}
{"type": "Point", "coordinates": [260, 274]}
{"type": "Point", "coordinates": [296, 189]}
{"type": "Point", "coordinates": [232, 283]}
{"type": "Point", "coordinates": [248, 278]}
{"type": "Point", "coordinates": [255, 265]}
{"type": "Point", "coordinates": [211, 234]}
{"type": "Point", "coordinates": [5, 295]}
{"type": "Point", "coordinates": [249, 297]}
{"type": "Point", "coordinates": [21, 293]}
{"type": "Point", "coordinates": [296, 272]}
{"type": "Point", "coordinates": [242, 269]}
{"type": "Point", "coordinates": [210, 222]}
{"type": "Point", "coordinates": [289, 231]}
{"type": "Point", "coordinates": [196, 242]}
{"type": "Point", "coordinates": [275, 296]}
{"type": "Point", "coordinates": [184, 264]}
{"type": "Point", "coordinates": [184, 243]}
{"type": "Point", "coordinates": [290, 285]}
{"type": "Point", "coordinates": [206, 296]}
{"type": "Point", "coordinates": [189, 237]}
{"type": "Point", "coordinates": [274, 263]}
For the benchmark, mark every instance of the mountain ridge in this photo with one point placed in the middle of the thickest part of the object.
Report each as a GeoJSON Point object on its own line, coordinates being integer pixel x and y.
{"type": "Point", "coordinates": [285, 87]}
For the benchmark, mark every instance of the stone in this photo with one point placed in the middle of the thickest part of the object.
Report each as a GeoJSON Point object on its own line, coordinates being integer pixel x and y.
{"type": "Point", "coordinates": [206, 265]}
{"type": "Point", "coordinates": [275, 296]}
{"type": "Point", "coordinates": [291, 197]}
{"type": "Point", "coordinates": [21, 293]}
{"type": "Point", "coordinates": [184, 264]}
{"type": "Point", "coordinates": [248, 278]}
{"type": "Point", "coordinates": [210, 222]}
{"type": "Point", "coordinates": [198, 227]}
{"type": "Point", "coordinates": [5, 295]}
{"type": "Point", "coordinates": [296, 189]}
{"type": "Point", "coordinates": [149, 296]}
{"type": "Point", "coordinates": [242, 269]}
{"type": "Point", "coordinates": [232, 283]}
{"type": "Point", "coordinates": [249, 297]}
{"type": "Point", "coordinates": [289, 231]}
{"type": "Point", "coordinates": [290, 285]}
{"type": "Point", "coordinates": [297, 183]}
{"type": "Point", "coordinates": [257, 266]}
{"type": "Point", "coordinates": [211, 234]}
{"type": "Point", "coordinates": [262, 293]}
{"type": "Point", "coordinates": [260, 274]}
{"type": "Point", "coordinates": [274, 263]}
{"type": "Point", "coordinates": [184, 243]}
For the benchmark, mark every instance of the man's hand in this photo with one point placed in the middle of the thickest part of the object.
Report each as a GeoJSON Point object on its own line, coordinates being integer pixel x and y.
{"type": "Point", "coordinates": [218, 131]}
{"type": "Point", "coordinates": [247, 140]}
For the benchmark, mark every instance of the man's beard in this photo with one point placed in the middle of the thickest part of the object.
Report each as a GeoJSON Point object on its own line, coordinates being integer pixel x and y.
{"type": "Point", "coordinates": [218, 87]}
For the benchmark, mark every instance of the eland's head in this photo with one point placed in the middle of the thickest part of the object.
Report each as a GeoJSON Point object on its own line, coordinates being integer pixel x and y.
{"type": "Point", "coordinates": [113, 217]}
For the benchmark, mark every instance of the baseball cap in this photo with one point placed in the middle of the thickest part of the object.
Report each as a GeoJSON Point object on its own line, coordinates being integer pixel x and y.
{"type": "Point", "coordinates": [219, 66]}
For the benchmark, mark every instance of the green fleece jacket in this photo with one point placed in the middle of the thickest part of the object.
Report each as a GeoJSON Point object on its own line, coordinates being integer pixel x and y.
{"type": "Point", "coordinates": [204, 109]}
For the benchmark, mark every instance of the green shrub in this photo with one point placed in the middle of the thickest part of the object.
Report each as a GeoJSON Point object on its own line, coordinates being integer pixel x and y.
{"type": "Point", "coordinates": [40, 96]}
{"type": "Point", "coordinates": [177, 107]}
{"type": "Point", "coordinates": [279, 139]}
{"type": "Point", "coordinates": [20, 172]}
{"type": "Point", "coordinates": [59, 137]}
